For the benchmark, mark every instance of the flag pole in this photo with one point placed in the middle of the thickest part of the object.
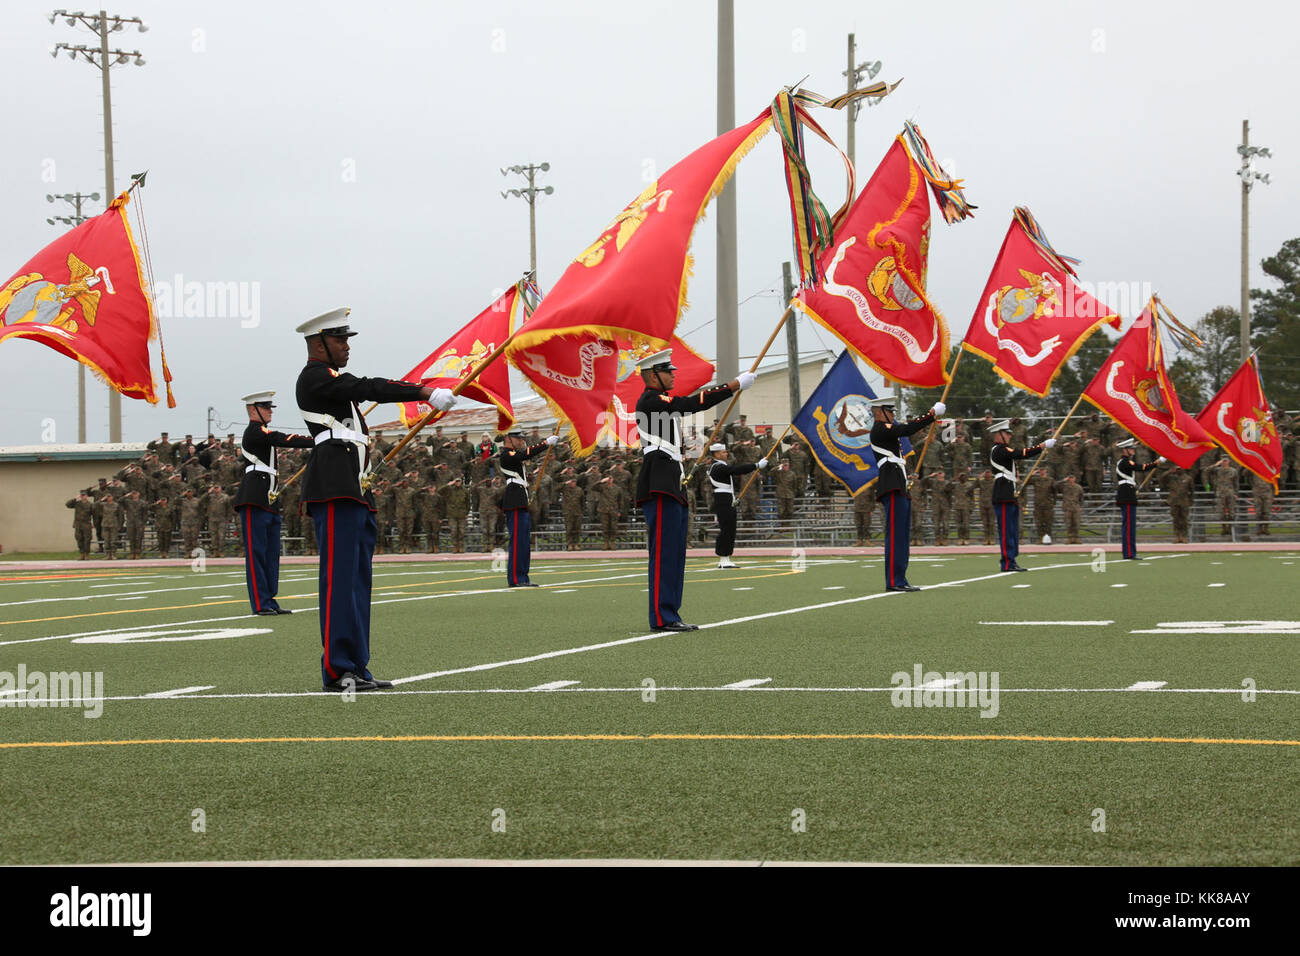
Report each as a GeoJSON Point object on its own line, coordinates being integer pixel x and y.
{"type": "Point", "coordinates": [943, 399]}
{"type": "Point", "coordinates": [1059, 428]}
{"type": "Point", "coordinates": [735, 398]}
{"type": "Point", "coordinates": [547, 460]}
{"type": "Point", "coordinates": [433, 413]}
{"type": "Point", "coordinates": [776, 449]}
{"type": "Point", "coordinates": [1149, 476]}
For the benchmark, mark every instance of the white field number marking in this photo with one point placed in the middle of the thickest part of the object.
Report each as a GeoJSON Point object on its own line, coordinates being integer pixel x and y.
{"type": "Point", "coordinates": [1227, 628]}
{"type": "Point", "coordinates": [184, 634]}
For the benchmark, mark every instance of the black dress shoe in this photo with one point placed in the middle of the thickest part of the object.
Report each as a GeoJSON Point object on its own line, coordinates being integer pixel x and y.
{"type": "Point", "coordinates": [1016, 567]}
{"type": "Point", "coordinates": [283, 610]}
{"type": "Point", "coordinates": [910, 587]}
{"type": "Point", "coordinates": [678, 626]}
{"type": "Point", "coordinates": [381, 684]}
{"type": "Point", "coordinates": [267, 612]}
{"type": "Point", "coordinates": [897, 587]}
{"type": "Point", "coordinates": [349, 681]}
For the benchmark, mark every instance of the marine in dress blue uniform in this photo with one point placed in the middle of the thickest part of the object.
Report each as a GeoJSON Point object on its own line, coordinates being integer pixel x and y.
{"type": "Point", "coordinates": [1006, 509]}
{"type": "Point", "coordinates": [335, 495]}
{"type": "Point", "coordinates": [514, 504]}
{"type": "Point", "coordinates": [259, 515]}
{"type": "Point", "coordinates": [659, 486]}
{"type": "Point", "coordinates": [1126, 495]}
{"type": "Point", "coordinates": [891, 485]}
{"type": "Point", "coordinates": [722, 476]}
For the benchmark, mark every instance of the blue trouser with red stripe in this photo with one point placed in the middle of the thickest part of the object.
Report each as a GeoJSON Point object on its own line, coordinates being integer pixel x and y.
{"type": "Point", "coordinates": [898, 537]}
{"type": "Point", "coordinates": [666, 523]}
{"type": "Point", "coordinates": [345, 535]}
{"type": "Point", "coordinates": [519, 525]}
{"type": "Point", "coordinates": [260, 530]}
{"type": "Point", "coordinates": [1128, 538]}
{"type": "Point", "coordinates": [1008, 515]}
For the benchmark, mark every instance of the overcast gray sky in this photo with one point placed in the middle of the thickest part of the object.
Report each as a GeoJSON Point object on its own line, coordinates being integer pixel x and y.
{"type": "Point", "coordinates": [339, 153]}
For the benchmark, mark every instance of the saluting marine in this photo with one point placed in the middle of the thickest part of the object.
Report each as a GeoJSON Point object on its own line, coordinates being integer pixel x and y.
{"type": "Point", "coordinates": [722, 475]}
{"type": "Point", "coordinates": [259, 513]}
{"type": "Point", "coordinates": [1006, 508]}
{"type": "Point", "coordinates": [891, 485]}
{"type": "Point", "coordinates": [1126, 494]}
{"type": "Point", "coordinates": [335, 494]}
{"type": "Point", "coordinates": [661, 481]}
{"type": "Point", "coordinates": [514, 502]}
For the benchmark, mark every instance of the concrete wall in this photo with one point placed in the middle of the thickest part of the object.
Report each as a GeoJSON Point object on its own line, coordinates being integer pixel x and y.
{"type": "Point", "coordinates": [32, 512]}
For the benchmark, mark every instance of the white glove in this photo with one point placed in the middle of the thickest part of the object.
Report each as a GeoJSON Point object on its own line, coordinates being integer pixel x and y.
{"type": "Point", "coordinates": [762, 463]}
{"type": "Point", "coordinates": [442, 399]}
{"type": "Point", "coordinates": [939, 409]}
{"type": "Point", "coordinates": [1161, 460]}
{"type": "Point", "coordinates": [746, 380]}
{"type": "Point", "coordinates": [1050, 443]}
{"type": "Point", "coordinates": [552, 439]}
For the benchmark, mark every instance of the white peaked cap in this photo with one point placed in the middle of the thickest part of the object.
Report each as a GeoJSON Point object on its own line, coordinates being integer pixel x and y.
{"type": "Point", "coordinates": [650, 362]}
{"type": "Point", "coordinates": [257, 398]}
{"type": "Point", "coordinates": [334, 319]}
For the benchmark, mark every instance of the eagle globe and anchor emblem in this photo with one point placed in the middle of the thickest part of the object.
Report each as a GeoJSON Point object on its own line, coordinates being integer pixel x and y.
{"type": "Point", "coordinates": [33, 299]}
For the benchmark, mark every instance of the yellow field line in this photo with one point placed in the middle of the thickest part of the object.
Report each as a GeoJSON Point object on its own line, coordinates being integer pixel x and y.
{"type": "Point", "coordinates": [622, 738]}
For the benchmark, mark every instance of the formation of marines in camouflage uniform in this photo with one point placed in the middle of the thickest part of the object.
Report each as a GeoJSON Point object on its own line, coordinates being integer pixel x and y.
{"type": "Point", "coordinates": [443, 493]}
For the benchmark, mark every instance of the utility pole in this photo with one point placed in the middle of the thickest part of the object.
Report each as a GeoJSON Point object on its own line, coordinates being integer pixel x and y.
{"type": "Point", "coordinates": [529, 194]}
{"type": "Point", "coordinates": [76, 219]}
{"type": "Point", "coordinates": [855, 75]}
{"type": "Point", "coordinates": [791, 342]}
{"type": "Point", "coordinates": [101, 24]}
{"type": "Point", "coordinates": [728, 310]}
{"type": "Point", "coordinates": [1248, 179]}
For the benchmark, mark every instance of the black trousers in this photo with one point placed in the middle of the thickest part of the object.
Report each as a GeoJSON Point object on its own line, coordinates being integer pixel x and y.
{"type": "Point", "coordinates": [726, 512]}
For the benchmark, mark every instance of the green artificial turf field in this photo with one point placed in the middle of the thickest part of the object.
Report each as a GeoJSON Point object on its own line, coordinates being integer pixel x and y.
{"type": "Point", "coordinates": [553, 723]}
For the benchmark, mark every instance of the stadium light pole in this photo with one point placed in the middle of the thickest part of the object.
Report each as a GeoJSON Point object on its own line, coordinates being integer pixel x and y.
{"type": "Point", "coordinates": [727, 292]}
{"type": "Point", "coordinates": [1248, 179]}
{"type": "Point", "coordinates": [103, 58]}
{"type": "Point", "coordinates": [529, 193]}
{"type": "Point", "coordinates": [76, 219]}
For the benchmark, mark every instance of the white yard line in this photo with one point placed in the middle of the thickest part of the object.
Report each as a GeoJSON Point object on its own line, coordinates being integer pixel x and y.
{"type": "Point", "coordinates": [656, 635]}
{"type": "Point", "coordinates": [556, 685]}
{"type": "Point", "coordinates": [181, 690]}
{"type": "Point", "coordinates": [1148, 685]}
{"type": "Point", "coordinates": [751, 682]}
{"type": "Point", "coordinates": [762, 689]}
{"type": "Point", "coordinates": [1048, 623]}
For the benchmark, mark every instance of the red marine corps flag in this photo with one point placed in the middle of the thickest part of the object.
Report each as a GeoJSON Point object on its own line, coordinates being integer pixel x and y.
{"type": "Point", "coordinates": [1240, 421]}
{"type": "Point", "coordinates": [1032, 316]}
{"type": "Point", "coordinates": [627, 286]}
{"type": "Point", "coordinates": [1133, 388]}
{"type": "Point", "coordinates": [85, 295]}
{"type": "Point", "coordinates": [873, 295]}
{"type": "Point", "coordinates": [451, 361]}
{"type": "Point", "coordinates": [693, 371]}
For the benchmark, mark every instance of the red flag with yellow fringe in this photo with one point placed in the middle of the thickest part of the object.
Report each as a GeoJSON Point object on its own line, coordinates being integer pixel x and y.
{"type": "Point", "coordinates": [631, 282]}
{"type": "Point", "coordinates": [873, 295]}
{"type": "Point", "coordinates": [627, 288]}
{"type": "Point", "coordinates": [451, 361]}
{"type": "Point", "coordinates": [1133, 388]}
{"type": "Point", "coordinates": [1033, 317]}
{"type": "Point", "coordinates": [1240, 421]}
{"type": "Point", "coordinates": [85, 295]}
{"type": "Point", "coordinates": [693, 371]}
